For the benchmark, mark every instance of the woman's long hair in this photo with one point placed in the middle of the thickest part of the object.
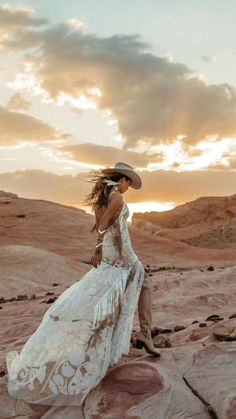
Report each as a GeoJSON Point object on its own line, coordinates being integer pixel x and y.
{"type": "Point", "coordinates": [98, 197]}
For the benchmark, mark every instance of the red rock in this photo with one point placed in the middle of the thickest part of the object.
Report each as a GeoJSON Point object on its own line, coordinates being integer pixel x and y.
{"type": "Point", "coordinates": [140, 390]}
{"type": "Point", "coordinates": [211, 375]}
{"type": "Point", "coordinates": [52, 245]}
{"type": "Point", "coordinates": [208, 222]}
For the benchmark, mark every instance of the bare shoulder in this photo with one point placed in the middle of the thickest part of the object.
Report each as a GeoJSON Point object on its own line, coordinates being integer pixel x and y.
{"type": "Point", "coordinates": [115, 198]}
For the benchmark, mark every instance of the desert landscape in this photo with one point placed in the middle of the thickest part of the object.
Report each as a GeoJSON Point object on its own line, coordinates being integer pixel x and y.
{"type": "Point", "coordinates": [45, 247]}
{"type": "Point", "coordinates": [208, 222]}
{"type": "Point", "coordinates": [139, 95]}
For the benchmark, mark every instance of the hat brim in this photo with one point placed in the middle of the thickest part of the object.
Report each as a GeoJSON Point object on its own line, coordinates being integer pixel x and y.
{"type": "Point", "coordinates": [136, 181]}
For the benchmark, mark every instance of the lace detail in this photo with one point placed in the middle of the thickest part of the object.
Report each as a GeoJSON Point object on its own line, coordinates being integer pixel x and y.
{"type": "Point", "coordinates": [86, 330]}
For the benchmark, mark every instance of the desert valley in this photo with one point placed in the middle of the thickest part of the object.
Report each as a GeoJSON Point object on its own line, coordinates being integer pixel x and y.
{"type": "Point", "coordinates": [190, 255]}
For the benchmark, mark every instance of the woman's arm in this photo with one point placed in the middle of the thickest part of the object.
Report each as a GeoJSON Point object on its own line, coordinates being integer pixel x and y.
{"type": "Point", "coordinates": [114, 204]}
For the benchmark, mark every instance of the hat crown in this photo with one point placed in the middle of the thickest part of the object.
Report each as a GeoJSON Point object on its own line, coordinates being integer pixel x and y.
{"type": "Point", "coordinates": [126, 170]}
{"type": "Point", "coordinates": [121, 165]}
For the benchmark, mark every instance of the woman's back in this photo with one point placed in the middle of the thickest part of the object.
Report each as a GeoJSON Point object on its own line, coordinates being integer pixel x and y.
{"type": "Point", "coordinates": [100, 211]}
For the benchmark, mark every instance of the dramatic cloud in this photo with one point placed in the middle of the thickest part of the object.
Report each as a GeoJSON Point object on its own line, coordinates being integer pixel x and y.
{"type": "Point", "coordinates": [16, 127]}
{"type": "Point", "coordinates": [18, 17]}
{"type": "Point", "coordinates": [14, 22]}
{"type": "Point", "coordinates": [97, 154]}
{"type": "Point", "coordinates": [162, 186]}
{"type": "Point", "coordinates": [150, 97]}
{"type": "Point", "coordinates": [231, 165]}
{"type": "Point", "coordinates": [18, 103]}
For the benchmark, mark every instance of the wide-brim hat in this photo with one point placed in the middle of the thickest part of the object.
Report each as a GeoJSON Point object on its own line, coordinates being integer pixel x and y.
{"type": "Point", "coordinates": [126, 170]}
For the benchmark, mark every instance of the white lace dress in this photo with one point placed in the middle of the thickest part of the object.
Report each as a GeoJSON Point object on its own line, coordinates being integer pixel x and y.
{"type": "Point", "coordinates": [86, 330]}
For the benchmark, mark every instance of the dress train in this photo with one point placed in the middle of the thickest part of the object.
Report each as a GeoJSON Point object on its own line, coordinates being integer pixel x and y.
{"type": "Point", "coordinates": [86, 330]}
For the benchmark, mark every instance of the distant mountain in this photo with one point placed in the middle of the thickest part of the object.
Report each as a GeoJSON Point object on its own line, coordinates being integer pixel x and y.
{"type": "Point", "coordinates": [65, 231]}
{"type": "Point", "coordinates": [208, 222]}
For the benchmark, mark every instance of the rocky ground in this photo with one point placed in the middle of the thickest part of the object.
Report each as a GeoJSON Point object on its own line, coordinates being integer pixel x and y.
{"type": "Point", "coordinates": [208, 222]}
{"type": "Point", "coordinates": [45, 247]}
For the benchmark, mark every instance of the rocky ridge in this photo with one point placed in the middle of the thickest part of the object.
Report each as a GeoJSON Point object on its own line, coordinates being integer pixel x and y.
{"type": "Point", "coordinates": [46, 249]}
{"type": "Point", "coordinates": [208, 222]}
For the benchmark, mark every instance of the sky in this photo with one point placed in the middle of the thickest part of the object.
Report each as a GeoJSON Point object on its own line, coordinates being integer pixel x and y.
{"type": "Point", "coordinates": [85, 84]}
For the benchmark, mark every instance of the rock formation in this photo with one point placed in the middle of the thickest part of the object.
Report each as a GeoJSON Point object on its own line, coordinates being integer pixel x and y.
{"type": "Point", "coordinates": [45, 247]}
{"type": "Point", "coordinates": [208, 222]}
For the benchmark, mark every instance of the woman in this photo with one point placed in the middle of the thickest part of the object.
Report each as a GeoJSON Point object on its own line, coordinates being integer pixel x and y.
{"type": "Point", "coordinates": [88, 328]}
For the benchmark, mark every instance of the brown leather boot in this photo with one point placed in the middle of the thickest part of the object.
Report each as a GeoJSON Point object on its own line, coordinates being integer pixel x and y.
{"type": "Point", "coordinates": [148, 345]}
{"type": "Point", "coordinates": [144, 338]}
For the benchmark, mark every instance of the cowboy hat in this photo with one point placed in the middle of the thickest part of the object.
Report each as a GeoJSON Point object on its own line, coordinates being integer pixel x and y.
{"type": "Point", "coordinates": [126, 170]}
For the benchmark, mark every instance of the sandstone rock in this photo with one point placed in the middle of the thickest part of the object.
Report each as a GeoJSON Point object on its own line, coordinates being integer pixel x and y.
{"type": "Point", "coordinates": [4, 194]}
{"type": "Point", "coordinates": [225, 332]}
{"type": "Point", "coordinates": [178, 328]}
{"type": "Point", "coordinates": [143, 391]}
{"type": "Point", "coordinates": [158, 330]}
{"type": "Point", "coordinates": [161, 341]}
{"type": "Point", "coordinates": [143, 386]}
{"type": "Point", "coordinates": [22, 297]}
{"type": "Point", "coordinates": [208, 382]}
{"type": "Point", "coordinates": [208, 222]}
{"type": "Point", "coordinates": [25, 269]}
{"type": "Point", "coordinates": [51, 300]}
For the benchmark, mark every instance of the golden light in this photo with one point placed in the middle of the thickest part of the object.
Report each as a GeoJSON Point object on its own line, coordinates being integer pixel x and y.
{"type": "Point", "coordinates": [118, 138]}
{"type": "Point", "coordinates": [112, 122]}
{"type": "Point", "coordinates": [148, 206]}
{"type": "Point", "coordinates": [27, 82]}
{"type": "Point", "coordinates": [75, 23]}
{"type": "Point", "coordinates": [82, 102]}
{"type": "Point", "coordinates": [176, 158]}
{"type": "Point", "coordinates": [139, 207]}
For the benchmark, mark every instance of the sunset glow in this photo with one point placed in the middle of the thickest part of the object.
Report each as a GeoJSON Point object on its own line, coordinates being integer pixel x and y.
{"type": "Point", "coordinates": [141, 207]}
{"type": "Point", "coordinates": [149, 206]}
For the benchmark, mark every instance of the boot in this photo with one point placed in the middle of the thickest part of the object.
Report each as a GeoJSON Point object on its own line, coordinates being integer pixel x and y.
{"type": "Point", "coordinates": [148, 345]}
{"type": "Point", "coordinates": [144, 338]}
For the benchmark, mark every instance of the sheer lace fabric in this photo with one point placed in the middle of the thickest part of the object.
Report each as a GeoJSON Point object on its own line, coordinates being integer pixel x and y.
{"type": "Point", "coordinates": [86, 330]}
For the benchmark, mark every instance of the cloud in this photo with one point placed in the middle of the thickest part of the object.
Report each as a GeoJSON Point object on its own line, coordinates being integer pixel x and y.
{"type": "Point", "coordinates": [40, 184]}
{"type": "Point", "coordinates": [230, 165]}
{"type": "Point", "coordinates": [16, 127]}
{"type": "Point", "coordinates": [18, 103]}
{"type": "Point", "coordinates": [219, 56]}
{"type": "Point", "coordinates": [14, 22]}
{"type": "Point", "coordinates": [160, 185]}
{"type": "Point", "coordinates": [151, 98]}
{"type": "Point", "coordinates": [101, 155]}
{"type": "Point", "coordinates": [18, 17]}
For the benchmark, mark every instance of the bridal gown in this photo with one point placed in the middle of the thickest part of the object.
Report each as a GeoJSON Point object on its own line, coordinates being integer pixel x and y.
{"type": "Point", "coordinates": [86, 330]}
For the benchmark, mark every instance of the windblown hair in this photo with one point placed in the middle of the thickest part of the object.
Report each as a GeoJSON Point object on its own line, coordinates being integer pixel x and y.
{"type": "Point", "coordinates": [98, 197]}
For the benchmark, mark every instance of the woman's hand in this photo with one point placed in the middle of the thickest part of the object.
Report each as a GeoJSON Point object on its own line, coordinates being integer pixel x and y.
{"type": "Point", "coordinates": [97, 257]}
